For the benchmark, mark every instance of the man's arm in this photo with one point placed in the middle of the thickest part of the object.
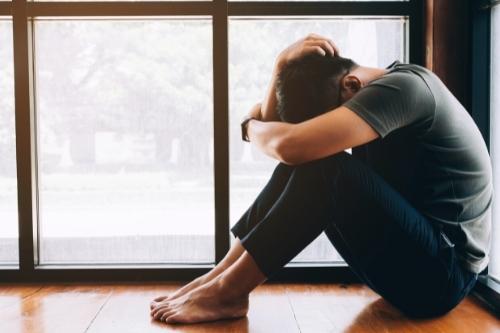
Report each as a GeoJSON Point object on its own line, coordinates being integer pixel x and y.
{"type": "Point", "coordinates": [322, 136]}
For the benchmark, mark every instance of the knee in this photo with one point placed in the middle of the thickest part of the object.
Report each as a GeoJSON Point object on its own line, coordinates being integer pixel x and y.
{"type": "Point", "coordinates": [326, 172]}
{"type": "Point", "coordinates": [309, 171]}
{"type": "Point", "coordinates": [336, 161]}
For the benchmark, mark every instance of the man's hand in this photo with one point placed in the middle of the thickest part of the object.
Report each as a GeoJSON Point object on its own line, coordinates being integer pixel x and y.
{"type": "Point", "coordinates": [255, 112]}
{"type": "Point", "coordinates": [311, 44]}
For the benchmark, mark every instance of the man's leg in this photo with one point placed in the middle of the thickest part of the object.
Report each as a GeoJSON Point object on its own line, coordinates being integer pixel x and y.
{"type": "Point", "coordinates": [295, 219]}
{"type": "Point", "coordinates": [267, 197]}
{"type": "Point", "coordinates": [298, 216]}
{"type": "Point", "coordinates": [391, 246]}
{"type": "Point", "coordinates": [388, 243]}
{"type": "Point", "coordinates": [264, 201]}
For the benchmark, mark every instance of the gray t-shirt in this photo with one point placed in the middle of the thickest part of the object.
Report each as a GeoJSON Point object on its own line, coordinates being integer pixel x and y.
{"type": "Point", "coordinates": [432, 152]}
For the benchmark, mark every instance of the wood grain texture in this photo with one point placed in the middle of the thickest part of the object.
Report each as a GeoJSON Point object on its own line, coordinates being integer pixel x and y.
{"type": "Point", "coordinates": [315, 308]}
{"type": "Point", "coordinates": [13, 295]}
{"type": "Point", "coordinates": [60, 308]}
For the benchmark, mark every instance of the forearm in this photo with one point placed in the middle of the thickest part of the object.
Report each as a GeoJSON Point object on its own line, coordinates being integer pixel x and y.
{"type": "Point", "coordinates": [270, 137]}
{"type": "Point", "coordinates": [319, 137]}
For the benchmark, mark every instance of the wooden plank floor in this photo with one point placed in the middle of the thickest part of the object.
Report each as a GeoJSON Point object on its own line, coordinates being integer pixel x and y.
{"type": "Point", "coordinates": [287, 308]}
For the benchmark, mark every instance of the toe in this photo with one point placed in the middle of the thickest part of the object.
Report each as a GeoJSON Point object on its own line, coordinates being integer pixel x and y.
{"type": "Point", "coordinates": [166, 314]}
{"type": "Point", "coordinates": [162, 310]}
{"type": "Point", "coordinates": [160, 298]}
{"type": "Point", "coordinates": [158, 309]}
{"type": "Point", "coordinates": [173, 319]}
{"type": "Point", "coordinates": [159, 313]}
{"type": "Point", "coordinates": [155, 304]}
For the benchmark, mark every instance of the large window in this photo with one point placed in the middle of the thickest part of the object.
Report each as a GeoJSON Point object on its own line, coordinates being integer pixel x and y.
{"type": "Point", "coordinates": [254, 44]}
{"type": "Point", "coordinates": [128, 124]}
{"type": "Point", "coordinates": [125, 141]}
{"type": "Point", "coordinates": [494, 268]}
{"type": "Point", "coordinates": [8, 185]}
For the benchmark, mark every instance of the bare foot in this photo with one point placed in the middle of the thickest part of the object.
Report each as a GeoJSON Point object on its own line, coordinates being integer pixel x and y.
{"type": "Point", "coordinates": [208, 302]}
{"type": "Point", "coordinates": [181, 291]}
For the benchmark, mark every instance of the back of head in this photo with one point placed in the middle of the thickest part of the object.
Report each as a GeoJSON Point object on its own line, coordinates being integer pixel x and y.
{"type": "Point", "coordinates": [310, 86]}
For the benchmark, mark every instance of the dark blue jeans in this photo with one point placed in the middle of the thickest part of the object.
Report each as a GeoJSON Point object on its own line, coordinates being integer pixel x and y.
{"type": "Point", "coordinates": [388, 244]}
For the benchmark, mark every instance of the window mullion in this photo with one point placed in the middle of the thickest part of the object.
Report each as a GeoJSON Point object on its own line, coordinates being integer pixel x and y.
{"type": "Point", "coordinates": [25, 138]}
{"type": "Point", "coordinates": [221, 128]}
{"type": "Point", "coordinates": [417, 32]}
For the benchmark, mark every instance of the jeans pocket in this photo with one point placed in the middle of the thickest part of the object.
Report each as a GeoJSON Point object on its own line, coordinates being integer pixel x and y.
{"type": "Point", "coordinates": [447, 259]}
{"type": "Point", "coordinates": [447, 252]}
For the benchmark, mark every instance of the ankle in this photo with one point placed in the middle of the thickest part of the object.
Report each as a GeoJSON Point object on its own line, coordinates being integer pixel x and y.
{"type": "Point", "coordinates": [228, 289]}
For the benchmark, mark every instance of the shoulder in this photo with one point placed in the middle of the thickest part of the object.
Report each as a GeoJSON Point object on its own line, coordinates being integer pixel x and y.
{"type": "Point", "coordinates": [405, 81]}
{"type": "Point", "coordinates": [402, 77]}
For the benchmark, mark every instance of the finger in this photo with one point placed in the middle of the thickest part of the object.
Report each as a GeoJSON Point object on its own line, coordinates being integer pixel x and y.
{"type": "Point", "coordinates": [316, 37]}
{"type": "Point", "coordinates": [335, 47]}
{"type": "Point", "coordinates": [313, 36]}
{"type": "Point", "coordinates": [323, 44]}
{"type": "Point", "coordinates": [315, 49]}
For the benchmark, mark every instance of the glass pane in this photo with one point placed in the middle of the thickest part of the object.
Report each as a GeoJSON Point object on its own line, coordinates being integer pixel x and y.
{"type": "Point", "coordinates": [494, 268]}
{"type": "Point", "coordinates": [125, 132]}
{"type": "Point", "coordinates": [254, 45]}
{"type": "Point", "coordinates": [8, 183]}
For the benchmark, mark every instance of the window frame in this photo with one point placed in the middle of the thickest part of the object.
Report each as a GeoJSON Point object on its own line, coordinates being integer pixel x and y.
{"type": "Point", "coordinates": [23, 12]}
{"type": "Point", "coordinates": [487, 288]}
{"type": "Point", "coordinates": [5, 8]}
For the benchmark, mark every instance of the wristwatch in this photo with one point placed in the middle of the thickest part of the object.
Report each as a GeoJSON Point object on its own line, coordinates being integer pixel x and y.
{"type": "Point", "coordinates": [244, 128]}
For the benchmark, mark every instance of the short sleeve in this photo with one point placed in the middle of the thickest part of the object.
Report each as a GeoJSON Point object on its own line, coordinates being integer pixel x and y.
{"type": "Point", "coordinates": [396, 100]}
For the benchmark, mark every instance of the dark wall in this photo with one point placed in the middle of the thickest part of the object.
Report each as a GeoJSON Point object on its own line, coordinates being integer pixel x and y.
{"type": "Point", "coordinates": [448, 45]}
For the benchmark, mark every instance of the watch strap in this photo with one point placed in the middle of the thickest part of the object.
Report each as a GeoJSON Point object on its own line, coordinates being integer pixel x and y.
{"type": "Point", "coordinates": [244, 128]}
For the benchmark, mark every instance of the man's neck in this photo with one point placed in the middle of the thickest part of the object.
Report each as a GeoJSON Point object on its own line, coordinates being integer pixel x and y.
{"type": "Point", "coordinates": [368, 74]}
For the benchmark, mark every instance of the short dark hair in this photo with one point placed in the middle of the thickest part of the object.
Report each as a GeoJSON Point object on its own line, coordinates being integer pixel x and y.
{"type": "Point", "coordinates": [309, 86]}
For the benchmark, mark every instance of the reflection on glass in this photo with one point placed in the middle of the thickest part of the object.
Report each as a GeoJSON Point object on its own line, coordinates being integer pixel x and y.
{"type": "Point", "coordinates": [8, 182]}
{"type": "Point", "coordinates": [125, 133]}
{"type": "Point", "coordinates": [494, 268]}
{"type": "Point", "coordinates": [254, 45]}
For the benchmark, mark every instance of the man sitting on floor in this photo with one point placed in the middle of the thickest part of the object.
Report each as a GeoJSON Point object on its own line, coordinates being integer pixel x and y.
{"type": "Point", "coordinates": [409, 211]}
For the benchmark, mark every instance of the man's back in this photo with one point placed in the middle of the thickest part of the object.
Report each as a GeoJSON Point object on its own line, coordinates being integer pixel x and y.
{"type": "Point", "coordinates": [431, 152]}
